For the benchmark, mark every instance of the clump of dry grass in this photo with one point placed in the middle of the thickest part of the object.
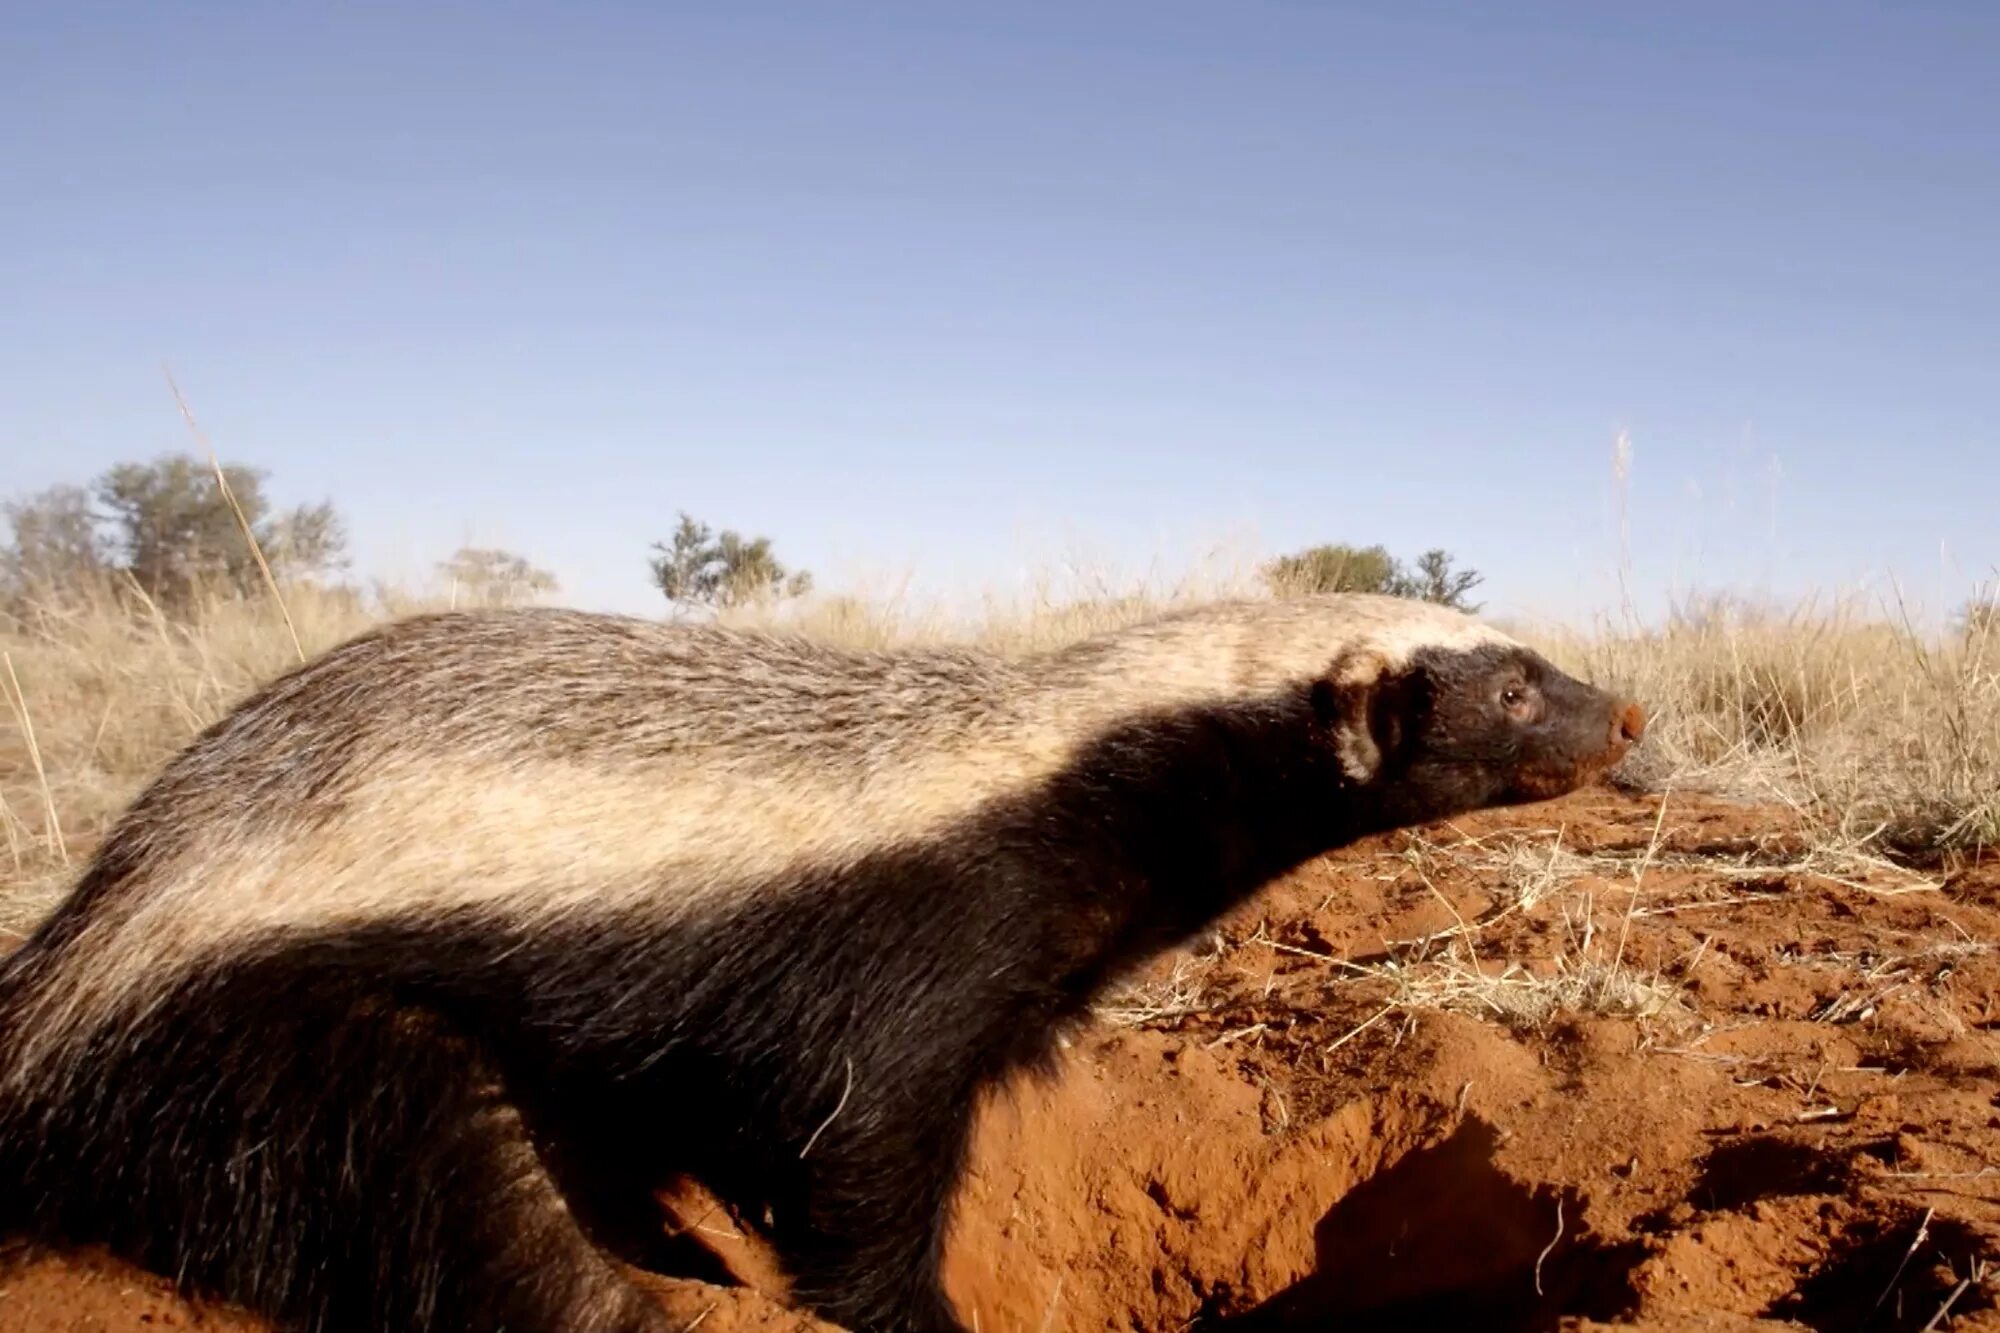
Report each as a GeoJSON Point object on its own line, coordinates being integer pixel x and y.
{"type": "Point", "coordinates": [1883, 735]}
{"type": "Point", "coordinates": [1518, 997]}
{"type": "Point", "coordinates": [1533, 872]}
{"type": "Point", "coordinates": [1183, 991]}
{"type": "Point", "coordinates": [108, 687]}
{"type": "Point", "coordinates": [1590, 975]}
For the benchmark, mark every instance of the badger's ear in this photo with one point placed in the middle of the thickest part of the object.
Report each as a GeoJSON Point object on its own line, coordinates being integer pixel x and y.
{"type": "Point", "coordinates": [1361, 705]}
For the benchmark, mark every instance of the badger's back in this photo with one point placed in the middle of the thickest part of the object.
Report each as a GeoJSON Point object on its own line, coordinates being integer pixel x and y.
{"type": "Point", "coordinates": [536, 766]}
{"type": "Point", "coordinates": [544, 765]}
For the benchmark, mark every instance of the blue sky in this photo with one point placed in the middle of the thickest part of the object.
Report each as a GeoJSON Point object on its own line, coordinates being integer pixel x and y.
{"type": "Point", "coordinates": [964, 289]}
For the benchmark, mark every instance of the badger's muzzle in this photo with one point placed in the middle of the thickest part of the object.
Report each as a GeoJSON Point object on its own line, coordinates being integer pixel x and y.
{"type": "Point", "coordinates": [1628, 728]}
{"type": "Point", "coordinates": [1593, 733]}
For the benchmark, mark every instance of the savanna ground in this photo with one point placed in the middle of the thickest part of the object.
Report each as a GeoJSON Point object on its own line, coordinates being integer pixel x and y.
{"type": "Point", "coordinates": [1716, 1046]}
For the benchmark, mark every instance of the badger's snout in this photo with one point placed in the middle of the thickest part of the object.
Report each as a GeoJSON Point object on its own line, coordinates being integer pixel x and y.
{"type": "Point", "coordinates": [1628, 727]}
{"type": "Point", "coordinates": [1588, 732]}
{"type": "Point", "coordinates": [1606, 728]}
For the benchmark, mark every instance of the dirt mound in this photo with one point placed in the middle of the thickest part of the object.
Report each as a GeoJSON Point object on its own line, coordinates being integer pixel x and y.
{"type": "Point", "coordinates": [1589, 1064]}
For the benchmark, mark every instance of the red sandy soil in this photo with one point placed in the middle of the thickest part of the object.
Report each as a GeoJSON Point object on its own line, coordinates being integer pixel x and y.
{"type": "Point", "coordinates": [1812, 1141]}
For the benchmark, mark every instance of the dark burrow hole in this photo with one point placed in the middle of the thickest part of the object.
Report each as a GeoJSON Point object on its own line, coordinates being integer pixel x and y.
{"type": "Point", "coordinates": [1738, 1174]}
{"type": "Point", "coordinates": [1874, 1282]}
{"type": "Point", "coordinates": [1443, 1238]}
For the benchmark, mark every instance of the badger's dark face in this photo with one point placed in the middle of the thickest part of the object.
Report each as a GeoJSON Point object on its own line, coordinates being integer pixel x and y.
{"type": "Point", "coordinates": [1461, 729]}
{"type": "Point", "coordinates": [1496, 725]}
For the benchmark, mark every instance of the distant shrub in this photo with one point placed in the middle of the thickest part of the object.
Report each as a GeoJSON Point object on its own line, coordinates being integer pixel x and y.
{"type": "Point", "coordinates": [484, 576]}
{"type": "Point", "coordinates": [1371, 569]}
{"type": "Point", "coordinates": [701, 568]}
{"type": "Point", "coordinates": [1979, 619]}
{"type": "Point", "coordinates": [169, 528]}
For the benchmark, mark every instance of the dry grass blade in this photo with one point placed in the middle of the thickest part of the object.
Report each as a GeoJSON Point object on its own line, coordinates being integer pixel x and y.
{"type": "Point", "coordinates": [1176, 995]}
{"type": "Point", "coordinates": [1895, 1280]}
{"type": "Point", "coordinates": [1638, 879]}
{"type": "Point", "coordinates": [18, 703]}
{"type": "Point", "coordinates": [242, 520]}
{"type": "Point", "coordinates": [1534, 876]}
{"type": "Point", "coordinates": [1548, 1249]}
{"type": "Point", "coordinates": [1965, 1284]}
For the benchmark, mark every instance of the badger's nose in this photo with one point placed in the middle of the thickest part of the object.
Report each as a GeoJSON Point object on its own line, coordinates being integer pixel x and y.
{"type": "Point", "coordinates": [1629, 725]}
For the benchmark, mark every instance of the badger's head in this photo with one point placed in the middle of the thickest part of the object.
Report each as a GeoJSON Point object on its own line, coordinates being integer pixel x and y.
{"type": "Point", "coordinates": [1439, 713]}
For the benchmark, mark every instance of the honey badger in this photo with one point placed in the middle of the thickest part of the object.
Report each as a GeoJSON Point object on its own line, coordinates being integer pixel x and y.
{"type": "Point", "coordinates": [398, 995]}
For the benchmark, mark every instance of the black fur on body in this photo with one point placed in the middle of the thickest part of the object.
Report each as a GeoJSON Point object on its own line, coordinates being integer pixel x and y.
{"type": "Point", "coordinates": [237, 1057]}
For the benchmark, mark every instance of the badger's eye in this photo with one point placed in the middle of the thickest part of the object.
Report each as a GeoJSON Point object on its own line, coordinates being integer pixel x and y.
{"type": "Point", "coordinates": [1512, 696]}
{"type": "Point", "coordinates": [1518, 702]}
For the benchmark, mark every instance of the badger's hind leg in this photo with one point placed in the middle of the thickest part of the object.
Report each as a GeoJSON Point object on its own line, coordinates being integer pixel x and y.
{"type": "Point", "coordinates": [860, 1222]}
{"type": "Point", "coordinates": [522, 1260]}
{"type": "Point", "coordinates": [333, 1163]}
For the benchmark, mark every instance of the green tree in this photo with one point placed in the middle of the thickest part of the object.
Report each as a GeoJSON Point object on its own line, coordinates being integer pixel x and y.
{"type": "Point", "coordinates": [1434, 580]}
{"type": "Point", "coordinates": [1333, 568]}
{"type": "Point", "coordinates": [169, 526]}
{"type": "Point", "coordinates": [173, 528]}
{"type": "Point", "coordinates": [54, 542]}
{"type": "Point", "coordinates": [483, 576]}
{"type": "Point", "coordinates": [701, 568]}
{"type": "Point", "coordinates": [1371, 569]}
{"type": "Point", "coordinates": [306, 541]}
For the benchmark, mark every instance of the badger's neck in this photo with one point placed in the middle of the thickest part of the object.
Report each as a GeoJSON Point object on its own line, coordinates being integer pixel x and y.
{"type": "Point", "coordinates": [1173, 818]}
